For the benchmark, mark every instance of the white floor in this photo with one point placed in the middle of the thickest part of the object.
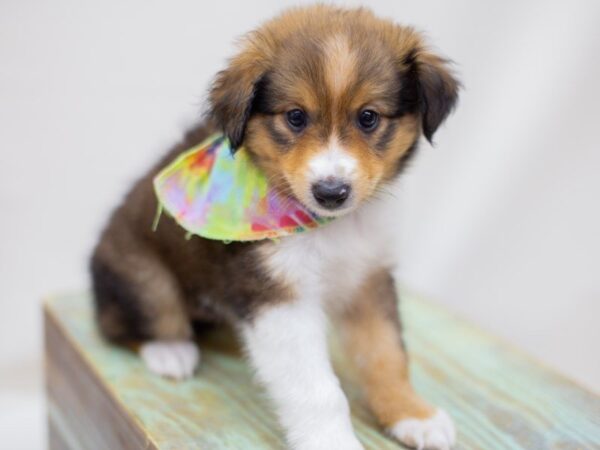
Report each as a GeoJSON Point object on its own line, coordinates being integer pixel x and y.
{"type": "Point", "coordinates": [22, 409]}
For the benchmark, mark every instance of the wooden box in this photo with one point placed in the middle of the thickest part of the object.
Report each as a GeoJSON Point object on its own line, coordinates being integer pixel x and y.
{"type": "Point", "coordinates": [102, 397]}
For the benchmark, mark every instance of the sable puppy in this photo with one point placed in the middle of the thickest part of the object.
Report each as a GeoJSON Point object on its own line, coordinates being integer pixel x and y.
{"type": "Point", "coordinates": [330, 103]}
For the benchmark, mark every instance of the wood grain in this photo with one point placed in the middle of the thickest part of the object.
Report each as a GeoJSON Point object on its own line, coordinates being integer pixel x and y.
{"type": "Point", "coordinates": [102, 397]}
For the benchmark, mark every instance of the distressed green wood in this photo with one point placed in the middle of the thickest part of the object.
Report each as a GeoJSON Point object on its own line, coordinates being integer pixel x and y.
{"type": "Point", "coordinates": [499, 398]}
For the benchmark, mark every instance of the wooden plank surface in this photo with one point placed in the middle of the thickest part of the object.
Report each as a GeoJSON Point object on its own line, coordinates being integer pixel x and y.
{"type": "Point", "coordinates": [499, 398]}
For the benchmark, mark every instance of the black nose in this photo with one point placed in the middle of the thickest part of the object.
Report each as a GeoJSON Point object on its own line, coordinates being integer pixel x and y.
{"type": "Point", "coordinates": [331, 194]}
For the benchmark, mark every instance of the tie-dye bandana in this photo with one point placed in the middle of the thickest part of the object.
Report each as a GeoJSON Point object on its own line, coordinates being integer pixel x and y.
{"type": "Point", "coordinates": [217, 195]}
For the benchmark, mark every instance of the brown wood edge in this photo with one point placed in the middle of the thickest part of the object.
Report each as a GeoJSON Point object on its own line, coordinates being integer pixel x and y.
{"type": "Point", "coordinates": [50, 319]}
{"type": "Point", "coordinates": [56, 438]}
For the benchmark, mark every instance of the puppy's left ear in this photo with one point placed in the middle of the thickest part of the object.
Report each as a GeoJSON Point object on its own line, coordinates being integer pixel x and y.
{"type": "Point", "coordinates": [438, 90]}
{"type": "Point", "coordinates": [233, 92]}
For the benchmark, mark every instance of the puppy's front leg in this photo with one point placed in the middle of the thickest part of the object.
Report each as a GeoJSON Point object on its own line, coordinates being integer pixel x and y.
{"type": "Point", "coordinates": [371, 331]}
{"type": "Point", "coordinates": [287, 345]}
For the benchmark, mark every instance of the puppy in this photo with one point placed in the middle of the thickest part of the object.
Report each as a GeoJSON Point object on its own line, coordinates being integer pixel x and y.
{"type": "Point", "coordinates": [330, 103]}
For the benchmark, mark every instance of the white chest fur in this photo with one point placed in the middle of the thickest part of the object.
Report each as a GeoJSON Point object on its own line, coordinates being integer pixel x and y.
{"type": "Point", "coordinates": [330, 262]}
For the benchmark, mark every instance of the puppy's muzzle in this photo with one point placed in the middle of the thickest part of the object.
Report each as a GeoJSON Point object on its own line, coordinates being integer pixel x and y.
{"type": "Point", "coordinates": [331, 193]}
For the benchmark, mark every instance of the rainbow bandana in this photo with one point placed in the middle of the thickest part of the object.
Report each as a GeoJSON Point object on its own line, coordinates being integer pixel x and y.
{"type": "Point", "coordinates": [216, 195]}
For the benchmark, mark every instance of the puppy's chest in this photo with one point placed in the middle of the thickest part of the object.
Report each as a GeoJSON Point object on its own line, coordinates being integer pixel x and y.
{"type": "Point", "coordinates": [332, 261]}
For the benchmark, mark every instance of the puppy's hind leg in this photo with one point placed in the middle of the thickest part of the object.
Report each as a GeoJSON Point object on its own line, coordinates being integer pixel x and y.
{"type": "Point", "coordinates": [138, 300]}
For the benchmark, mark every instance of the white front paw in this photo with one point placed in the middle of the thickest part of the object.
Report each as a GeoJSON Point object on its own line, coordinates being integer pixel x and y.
{"type": "Point", "coordinates": [435, 433]}
{"type": "Point", "coordinates": [328, 443]}
{"type": "Point", "coordinates": [330, 433]}
{"type": "Point", "coordinates": [171, 359]}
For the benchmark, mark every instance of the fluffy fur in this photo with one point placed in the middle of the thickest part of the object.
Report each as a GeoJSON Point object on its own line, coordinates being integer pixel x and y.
{"type": "Point", "coordinates": [331, 65]}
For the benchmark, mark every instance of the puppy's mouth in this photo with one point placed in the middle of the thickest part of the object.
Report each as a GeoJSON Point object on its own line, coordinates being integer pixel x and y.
{"type": "Point", "coordinates": [331, 213]}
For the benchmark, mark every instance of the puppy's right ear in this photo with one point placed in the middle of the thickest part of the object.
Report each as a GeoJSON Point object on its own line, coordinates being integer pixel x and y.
{"type": "Point", "coordinates": [233, 91]}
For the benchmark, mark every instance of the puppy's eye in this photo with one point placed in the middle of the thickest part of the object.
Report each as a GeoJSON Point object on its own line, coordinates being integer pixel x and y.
{"type": "Point", "coordinates": [368, 120]}
{"type": "Point", "coordinates": [296, 119]}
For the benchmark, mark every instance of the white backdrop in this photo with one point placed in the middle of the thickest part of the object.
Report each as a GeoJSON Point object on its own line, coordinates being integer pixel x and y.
{"type": "Point", "coordinates": [500, 221]}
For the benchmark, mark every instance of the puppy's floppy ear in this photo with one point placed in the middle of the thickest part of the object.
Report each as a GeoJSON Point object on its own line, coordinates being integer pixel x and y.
{"type": "Point", "coordinates": [437, 88]}
{"type": "Point", "coordinates": [233, 92]}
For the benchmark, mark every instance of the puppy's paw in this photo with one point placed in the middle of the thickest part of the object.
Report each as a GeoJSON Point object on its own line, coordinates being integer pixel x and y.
{"type": "Point", "coordinates": [327, 442]}
{"type": "Point", "coordinates": [171, 359]}
{"type": "Point", "coordinates": [435, 433]}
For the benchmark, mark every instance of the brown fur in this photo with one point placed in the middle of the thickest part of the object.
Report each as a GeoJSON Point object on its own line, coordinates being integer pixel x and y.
{"type": "Point", "coordinates": [372, 335]}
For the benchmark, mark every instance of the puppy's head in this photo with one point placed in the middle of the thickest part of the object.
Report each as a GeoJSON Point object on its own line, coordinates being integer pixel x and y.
{"type": "Point", "coordinates": [331, 102]}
